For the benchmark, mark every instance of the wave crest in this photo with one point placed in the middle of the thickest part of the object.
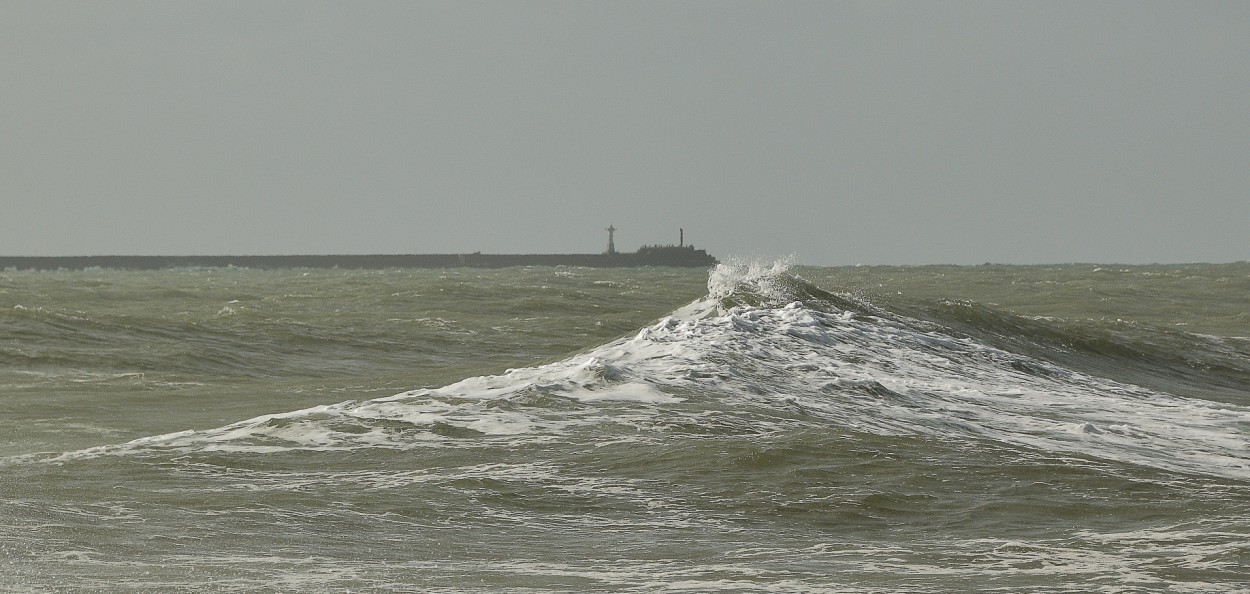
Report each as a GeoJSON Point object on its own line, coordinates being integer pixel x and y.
{"type": "Point", "coordinates": [739, 282]}
{"type": "Point", "coordinates": [763, 284]}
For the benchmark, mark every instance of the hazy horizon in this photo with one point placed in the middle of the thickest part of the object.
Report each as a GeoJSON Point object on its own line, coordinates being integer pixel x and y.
{"type": "Point", "coordinates": [839, 132]}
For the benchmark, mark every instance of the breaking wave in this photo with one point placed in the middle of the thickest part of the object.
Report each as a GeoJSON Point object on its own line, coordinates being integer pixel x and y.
{"type": "Point", "coordinates": [766, 352]}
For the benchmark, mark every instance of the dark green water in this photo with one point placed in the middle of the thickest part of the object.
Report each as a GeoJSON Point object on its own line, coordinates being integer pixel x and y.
{"type": "Point", "coordinates": [876, 429]}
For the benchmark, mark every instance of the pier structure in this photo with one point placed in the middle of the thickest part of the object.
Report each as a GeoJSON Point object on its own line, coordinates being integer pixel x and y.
{"type": "Point", "coordinates": [648, 255]}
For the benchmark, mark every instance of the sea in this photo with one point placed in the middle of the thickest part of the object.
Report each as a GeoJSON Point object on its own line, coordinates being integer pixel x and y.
{"type": "Point", "coordinates": [754, 427]}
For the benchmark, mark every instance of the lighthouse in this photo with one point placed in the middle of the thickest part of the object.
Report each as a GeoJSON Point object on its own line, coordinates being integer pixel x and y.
{"type": "Point", "coordinates": [611, 240]}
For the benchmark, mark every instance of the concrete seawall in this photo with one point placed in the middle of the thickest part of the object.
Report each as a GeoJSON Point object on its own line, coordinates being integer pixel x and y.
{"type": "Point", "coordinates": [682, 257]}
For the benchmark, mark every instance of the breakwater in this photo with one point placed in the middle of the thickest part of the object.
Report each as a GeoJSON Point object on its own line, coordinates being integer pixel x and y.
{"type": "Point", "coordinates": [684, 256]}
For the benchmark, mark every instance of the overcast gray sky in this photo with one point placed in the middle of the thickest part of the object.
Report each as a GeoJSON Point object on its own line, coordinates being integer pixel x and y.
{"type": "Point", "coordinates": [840, 132]}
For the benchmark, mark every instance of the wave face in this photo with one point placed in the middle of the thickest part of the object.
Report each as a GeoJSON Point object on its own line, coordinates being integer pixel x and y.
{"type": "Point", "coordinates": [772, 435]}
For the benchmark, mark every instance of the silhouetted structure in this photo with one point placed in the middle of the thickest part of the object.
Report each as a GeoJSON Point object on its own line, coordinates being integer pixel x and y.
{"type": "Point", "coordinates": [655, 255]}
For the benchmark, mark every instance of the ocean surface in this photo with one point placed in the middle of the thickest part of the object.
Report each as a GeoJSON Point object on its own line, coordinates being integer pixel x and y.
{"type": "Point", "coordinates": [752, 428]}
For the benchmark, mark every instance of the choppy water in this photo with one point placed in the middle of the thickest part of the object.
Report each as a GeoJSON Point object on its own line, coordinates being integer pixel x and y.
{"type": "Point", "coordinates": [933, 429]}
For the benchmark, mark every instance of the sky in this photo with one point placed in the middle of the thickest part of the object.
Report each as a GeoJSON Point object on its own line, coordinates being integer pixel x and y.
{"type": "Point", "coordinates": [840, 133]}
